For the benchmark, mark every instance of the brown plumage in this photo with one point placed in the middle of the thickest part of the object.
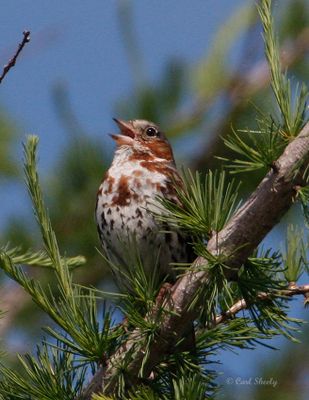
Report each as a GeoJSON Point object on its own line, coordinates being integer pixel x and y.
{"type": "Point", "coordinates": [142, 169]}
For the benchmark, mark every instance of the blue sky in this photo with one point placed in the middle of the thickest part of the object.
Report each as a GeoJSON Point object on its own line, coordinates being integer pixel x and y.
{"type": "Point", "coordinates": [78, 44]}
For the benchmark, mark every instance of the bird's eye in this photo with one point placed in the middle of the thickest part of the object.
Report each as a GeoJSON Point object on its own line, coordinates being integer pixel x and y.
{"type": "Point", "coordinates": [151, 131]}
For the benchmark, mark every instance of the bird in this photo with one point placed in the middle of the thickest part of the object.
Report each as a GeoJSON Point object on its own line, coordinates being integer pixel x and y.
{"type": "Point", "coordinates": [142, 170]}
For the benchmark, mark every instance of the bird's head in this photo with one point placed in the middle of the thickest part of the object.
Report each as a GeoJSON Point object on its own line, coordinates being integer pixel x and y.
{"type": "Point", "coordinates": [144, 137]}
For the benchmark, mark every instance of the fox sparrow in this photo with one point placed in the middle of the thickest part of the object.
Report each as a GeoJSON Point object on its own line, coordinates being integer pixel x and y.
{"type": "Point", "coordinates": [143, 168]}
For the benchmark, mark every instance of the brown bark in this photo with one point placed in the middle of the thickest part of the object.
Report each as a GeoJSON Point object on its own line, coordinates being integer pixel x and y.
{"type": "Point", "coordinates": [236, 241]}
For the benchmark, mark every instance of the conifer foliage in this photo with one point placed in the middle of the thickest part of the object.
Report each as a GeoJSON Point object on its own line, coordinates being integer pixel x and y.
{"type": "Point", "coordinates": [87, 355]}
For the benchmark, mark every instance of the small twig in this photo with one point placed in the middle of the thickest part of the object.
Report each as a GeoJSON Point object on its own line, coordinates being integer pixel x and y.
{"type": "Point", "coordinates": [12, 61]}
{"type": "Point", "coordinates": [240, 305]}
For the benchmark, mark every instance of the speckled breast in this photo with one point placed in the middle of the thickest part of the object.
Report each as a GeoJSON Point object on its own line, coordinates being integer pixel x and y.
{"type": "Point", "coordinates": [125, 202]}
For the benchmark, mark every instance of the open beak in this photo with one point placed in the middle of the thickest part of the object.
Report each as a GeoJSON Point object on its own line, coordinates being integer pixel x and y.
{"type": "Point", "coordinates": [127, 135]}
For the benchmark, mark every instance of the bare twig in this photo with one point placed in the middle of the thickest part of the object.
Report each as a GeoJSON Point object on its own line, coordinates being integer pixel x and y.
{"type": "Point", "coordinates": [235, 241]}
{"type": "Point", "coordinates": [12, 61]}
{"type": "Point", "coordinates": [292, 290]}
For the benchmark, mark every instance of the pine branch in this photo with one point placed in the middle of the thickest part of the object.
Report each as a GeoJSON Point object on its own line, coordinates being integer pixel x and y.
{"type": "Point", "coordinates": [74, 309]}
{"type": "Point", "coordinates": [51, 374]}
{"type": "Point", "coordinates": [292, 112]}
{"type": "Point", "coordinates": [39, 258]}
{"type": "Point", "coordinates": [12, 61]}
{"type": "Point", "coordinates": [241, 304]}
{"type": "Point", "coordinates": [236, 241]}
{"type": "Point", "coordinates": [239, 88]}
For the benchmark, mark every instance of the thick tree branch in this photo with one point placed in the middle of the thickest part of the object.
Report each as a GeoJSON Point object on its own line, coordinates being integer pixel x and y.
{"type": "Point", "coordinates": [12, 61]}
{"type": "Point", "coordinates": [236, 241]}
